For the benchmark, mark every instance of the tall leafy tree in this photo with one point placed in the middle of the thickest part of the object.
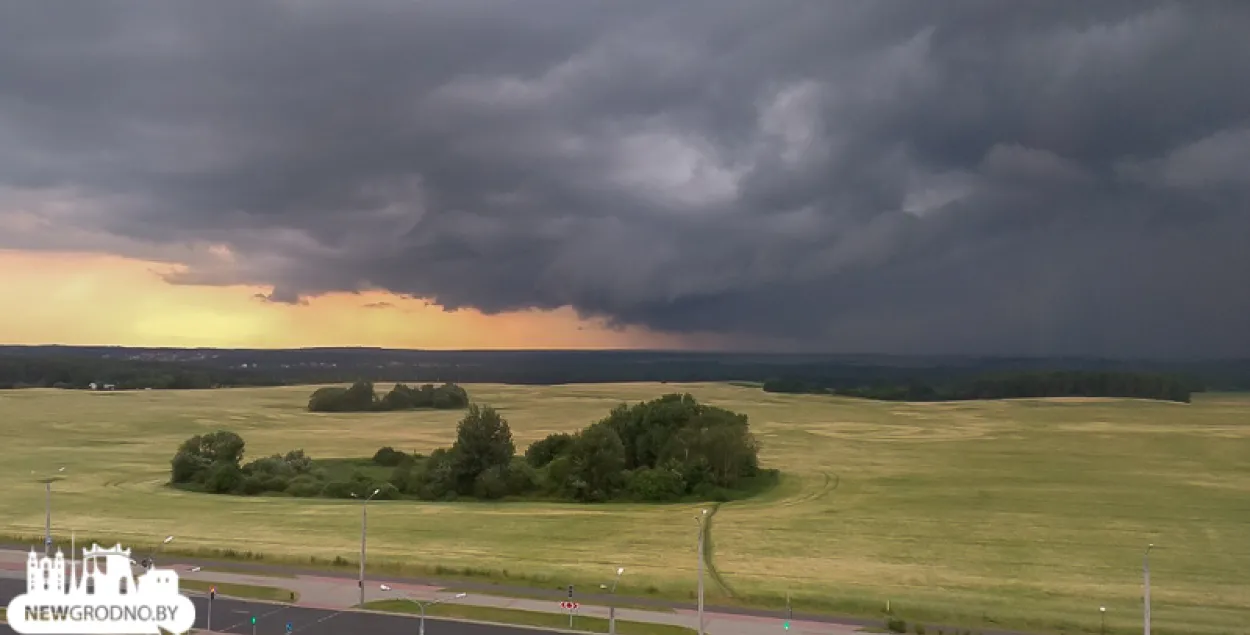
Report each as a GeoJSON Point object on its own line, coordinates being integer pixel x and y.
{"type": "Point", "coordinates": [483, 440]}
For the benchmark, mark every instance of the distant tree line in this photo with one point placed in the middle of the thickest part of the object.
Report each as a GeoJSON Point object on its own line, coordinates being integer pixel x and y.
{"type": "Point", "coordinates": [668, 449]}
{"type": "Point", "coordinates": [361, 397]}
{"type": "Point", "coordinates": [1007, 386]}
{"type": "Point", "coordinates": [80, 373]}
{"type": "Point", "coordinates": [76, 367]}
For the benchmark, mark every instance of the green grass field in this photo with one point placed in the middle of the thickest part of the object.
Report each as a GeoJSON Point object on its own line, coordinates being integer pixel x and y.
{"type": "Point", "coordinates": [1022, 514]}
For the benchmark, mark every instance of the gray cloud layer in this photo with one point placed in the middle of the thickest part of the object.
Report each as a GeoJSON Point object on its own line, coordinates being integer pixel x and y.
{"type": "Point", "coordinates": [1042, 177]}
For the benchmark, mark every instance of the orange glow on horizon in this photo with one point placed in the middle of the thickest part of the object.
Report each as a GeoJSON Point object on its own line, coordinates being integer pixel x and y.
{"type": "Point", "coordinates": [91, 300]}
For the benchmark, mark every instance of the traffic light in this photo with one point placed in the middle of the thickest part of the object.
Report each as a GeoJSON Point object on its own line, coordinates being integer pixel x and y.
{"type": "Point", "coordinates": [570, 591]}
{"type": "Point", "coordinates": [212, 592]}
{"type": "Point", "coordinates": [253, 620]}
{"type": "Point", "coordinates": [786, 625]}
{"type": "Point", "coordinates": [288, 627]}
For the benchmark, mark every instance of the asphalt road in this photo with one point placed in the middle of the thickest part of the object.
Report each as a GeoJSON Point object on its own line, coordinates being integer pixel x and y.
{"type": "Point", "coordinates": [490, 588]}
{"type": "Point", "coordinates": [234, 616]}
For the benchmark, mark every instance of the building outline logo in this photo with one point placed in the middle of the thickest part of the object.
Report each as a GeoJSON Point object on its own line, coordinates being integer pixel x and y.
{"type": "Point", "coordinates": [106, 599]}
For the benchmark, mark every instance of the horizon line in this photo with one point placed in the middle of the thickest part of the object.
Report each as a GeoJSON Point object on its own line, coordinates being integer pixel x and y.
{"type": "Point", "coordinates": [679, 351]}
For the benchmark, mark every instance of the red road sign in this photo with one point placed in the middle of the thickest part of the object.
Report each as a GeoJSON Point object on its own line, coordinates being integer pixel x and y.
{"type": "Point", "coordinates": [569, 606]}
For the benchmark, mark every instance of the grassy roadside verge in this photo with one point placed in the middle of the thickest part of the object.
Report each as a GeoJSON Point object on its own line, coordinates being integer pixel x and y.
{"type": "Point", "coordinates": [242, 591]}
{"type": "Point", "coordinates": [225, 568]}
{"type": "Point", "coordinates": [517, 617]}
{"type": "Point", "coordinates": [504, 583]}
{"type": "Point", "coordinates": [507, 583]}
{"type": "Point", "coordinates": [506, 592]}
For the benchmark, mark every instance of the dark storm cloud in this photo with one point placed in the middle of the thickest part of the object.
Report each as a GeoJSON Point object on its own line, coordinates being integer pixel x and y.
{"type": "Point", "coordinates": [1026, 177]}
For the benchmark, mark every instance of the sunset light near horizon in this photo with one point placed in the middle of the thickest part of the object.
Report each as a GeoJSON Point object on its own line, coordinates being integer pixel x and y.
{"type": "Point", "coordinates": [92, 299]}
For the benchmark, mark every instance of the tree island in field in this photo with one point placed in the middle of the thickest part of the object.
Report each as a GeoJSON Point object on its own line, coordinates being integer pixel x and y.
{"type": "Point", "coordinates": [665, 450]}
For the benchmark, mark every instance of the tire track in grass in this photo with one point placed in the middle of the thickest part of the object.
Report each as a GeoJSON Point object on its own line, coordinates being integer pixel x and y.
{"type": "Point", "coordinates": [709, 552]}
{"type": "Point", "coordinates": [829, 486]}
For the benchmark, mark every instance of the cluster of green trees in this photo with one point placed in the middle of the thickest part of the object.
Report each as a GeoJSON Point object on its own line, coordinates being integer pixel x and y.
{"type": "Point", "coordinates": [1008, 386]}
{"type": "Point", "coordinates": [212, 463]}
{"type": "Point", "coordinates": [666, 449]}
{"type": "Point", "coordinates": [663, 450]}
{"type": "Point", "coordinates": [361, 397]}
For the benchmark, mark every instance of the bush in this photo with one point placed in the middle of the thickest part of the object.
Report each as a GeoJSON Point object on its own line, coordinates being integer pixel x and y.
{"type": "Point", "coordinates": [304, 487]}
{"type": "Point", "coordinates": [655, 485]}
{"type": "Point", "coordinates": [389, 457]}
{"type": "Point", "coordinates": [434, 479]}
{"type": "Point", "coordinates": [275, 483]}
{"type": "Point", "coordinates": [919, 628]}
{"type": "Point", "coordinates": [187, 468]}
{"type": "Point", "coordinates": [270, 465]}
{"type": "Point", "coordinates": [492, 483]}
{"type": "Point", "coordinates": [223, 478]}
{"type": "Point", "coordinates": [338, 489]}
{"type": "Point", "coordinates": [543, 451]}
{"type": "Point", "coordinates": [896, 625]}
{"type": "Point", "coordinates": [555, 476]}
{"type": "Point", "coordinates": [252, 485]}
{"type": "Point", "coordinates": [708, 491]}
{"type": "Point", "coordinates": [522, 478]}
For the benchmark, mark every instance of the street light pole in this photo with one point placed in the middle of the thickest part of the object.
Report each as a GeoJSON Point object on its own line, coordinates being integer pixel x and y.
{"type": "Point", "coordinates": [421, 605]}
{"type": "Point", "coordinates": [1102, 626]}
{"type": "Point", "coordinates": [701, 519]}
{"type": "Point", "coordinates": [1145, 565]}
{"type": "Point", "coordinates": [47, 517]}
{"type": "Point", "coordinates": [612, 602]}
{"type": "Point", "coordinates": [151, 563]}
{"type": "Point", "coordinates": [47, 513]}
{"type": "Point", "coordinates": [364, 525]}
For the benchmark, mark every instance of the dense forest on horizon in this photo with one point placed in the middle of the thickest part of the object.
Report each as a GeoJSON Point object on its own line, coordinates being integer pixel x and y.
{"type": "Point", "coordinates": [156, 368]}
{"type": "Point", "coordinates": [1010, 386]}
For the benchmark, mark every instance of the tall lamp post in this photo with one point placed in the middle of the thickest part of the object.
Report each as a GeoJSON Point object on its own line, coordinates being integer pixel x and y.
{"type": "Point", "coordinates": [612, 604]}
{"type": "Point", "coordinates": [701, 519]}
{"type": "Point", "coordinates": [364, 524]}
{"type": "Point", "coordinates": [47, 510]}
{"type": "Point", "coordinates": [421, 605]}
{"type": "Point", "coordinates": [1102, 625]}
{"type": "Point", "coordinates": [152, 556]}
{"type": "Point", "coordinates": [1145, 567]}
{"type": "Point", "coordinates": [150, 561]}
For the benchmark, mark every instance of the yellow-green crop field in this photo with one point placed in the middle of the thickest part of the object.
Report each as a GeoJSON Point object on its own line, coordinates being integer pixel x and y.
{"type": "Point", "coordinates": [1024, 514]}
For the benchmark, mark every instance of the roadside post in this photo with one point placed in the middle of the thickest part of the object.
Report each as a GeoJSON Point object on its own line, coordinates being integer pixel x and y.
{"type": "Point", "coordinates": [612, 600]}
{"type": "Point", "coordinates": [789, 612]}
{"type": "Point", "coordinates": [570, 607]}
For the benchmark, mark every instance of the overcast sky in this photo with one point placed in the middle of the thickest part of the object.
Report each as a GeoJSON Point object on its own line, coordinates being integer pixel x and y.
{"type": "Point", "coordinates": [1004, 177]}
